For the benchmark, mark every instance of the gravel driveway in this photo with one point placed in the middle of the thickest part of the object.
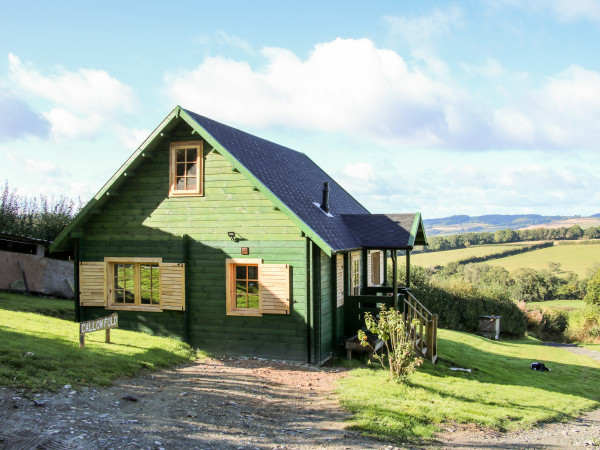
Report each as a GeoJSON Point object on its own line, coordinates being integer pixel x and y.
{"type": "Point", "coordinates": [212, 404]}
{"type": "Point", "coordinates": [233, 403]}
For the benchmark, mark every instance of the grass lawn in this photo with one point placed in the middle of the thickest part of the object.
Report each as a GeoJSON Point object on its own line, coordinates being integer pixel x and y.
{"type": "Point", "coordinates": [561, 305]}
{"type": "Point", "coordinates": [501, 392]}
{"type": "Point", "coordinates": [446, 256]}
{"type": "Point", "coordinates": [64, 309]}
{"type": "Point", "coordinates": [590, 346]}
{"type": "Point", "coordinates": [39, 352]}
{"type": "Point", "coordinates": [573, 258]}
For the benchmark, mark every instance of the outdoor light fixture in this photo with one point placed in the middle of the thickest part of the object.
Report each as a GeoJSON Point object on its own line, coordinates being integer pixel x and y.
{"type": "Point", "coordinates": [231, 234]}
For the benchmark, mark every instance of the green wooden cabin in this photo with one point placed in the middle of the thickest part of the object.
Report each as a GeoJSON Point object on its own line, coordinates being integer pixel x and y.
{"type": "Point", "coordinates": [234, 244]}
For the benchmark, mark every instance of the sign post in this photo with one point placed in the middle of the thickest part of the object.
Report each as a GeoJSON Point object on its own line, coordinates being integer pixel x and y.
{"type": "Point", "coordinates": [105, 323]}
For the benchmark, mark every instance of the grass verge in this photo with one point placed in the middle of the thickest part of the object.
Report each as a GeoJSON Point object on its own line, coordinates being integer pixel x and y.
{"type": "Point", "coordinates": [39, 352]}
{"type": "Point", "coordinates": [63, 309]}
{"type": "Point", "coordinates": [501, 392]}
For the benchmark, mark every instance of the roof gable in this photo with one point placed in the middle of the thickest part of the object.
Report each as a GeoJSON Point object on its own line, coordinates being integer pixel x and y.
{"type": "Point", "coordinates": [387, 231]}
{"type": "Point", "coordinates": [289, 178]}
{"type": "Point", "coordinates": [292, 178]}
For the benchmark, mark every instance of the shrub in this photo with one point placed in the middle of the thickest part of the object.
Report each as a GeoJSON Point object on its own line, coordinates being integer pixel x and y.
{"type": "Point", "coordinates": [533, 317]}
{"type": "Point", "coordinates": [556, 322]}
{"type": "Point", "coordinates": [459, 304]}
{"type": "Point", "coordinates": [592, 295]}
{"type": "Point", "coordinates": [584, 325]}
{"type": "Point", "coordinates": [399, 359]}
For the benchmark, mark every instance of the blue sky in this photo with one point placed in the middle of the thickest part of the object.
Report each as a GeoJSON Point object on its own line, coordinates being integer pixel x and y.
{"type": "Point", "coordinates": [441, 107]}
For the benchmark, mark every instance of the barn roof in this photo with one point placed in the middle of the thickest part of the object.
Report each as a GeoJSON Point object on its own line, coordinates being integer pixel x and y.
{"type": "Point", "coordinates": [289, 178]}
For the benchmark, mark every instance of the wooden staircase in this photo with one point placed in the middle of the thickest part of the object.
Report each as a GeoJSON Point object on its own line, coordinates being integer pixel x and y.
{"type": "Point", "coordinates": [421, 326]}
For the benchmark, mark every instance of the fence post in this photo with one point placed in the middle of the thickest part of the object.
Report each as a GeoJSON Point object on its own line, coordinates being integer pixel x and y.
{"type": "Point", "coordinates": [429, 332]}
{"type": "Point", "coordinates": [435, 327]}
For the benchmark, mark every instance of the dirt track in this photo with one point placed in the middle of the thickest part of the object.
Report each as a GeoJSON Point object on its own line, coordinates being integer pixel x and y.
{"type": "Point", "coordinates": [231, 404]}
{"type": "Point", "coordinates": [216, 404]}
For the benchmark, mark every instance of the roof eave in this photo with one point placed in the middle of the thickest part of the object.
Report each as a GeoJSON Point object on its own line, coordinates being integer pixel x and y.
{"type": "Point", "coordinates": [417, 227]}
{"type": "Point", "coordinates": [308, 231]}
{"type": "Point", "coordinates": [62, 242]}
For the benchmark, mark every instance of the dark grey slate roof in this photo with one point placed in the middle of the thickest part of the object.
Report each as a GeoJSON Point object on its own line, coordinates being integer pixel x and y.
{"type": "Point", "coordinates": [382, 231]}
{"type": "Point", "coordinates": [293, 178]}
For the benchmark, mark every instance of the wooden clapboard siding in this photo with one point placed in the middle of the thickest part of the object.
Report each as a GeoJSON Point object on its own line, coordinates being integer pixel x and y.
{"type": "Point", "coordinates": [91, 284]}
{"type": "Point", "coordinates": [339, 273]}
{"type": "Point", "coordinates": [143, 221]}
{"type": "Point", "coordinates": [326, 299]}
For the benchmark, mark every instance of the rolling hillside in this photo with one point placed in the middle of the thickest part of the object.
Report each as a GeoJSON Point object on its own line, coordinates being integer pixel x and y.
{"type": "Point", "coordinates": [492, 222]}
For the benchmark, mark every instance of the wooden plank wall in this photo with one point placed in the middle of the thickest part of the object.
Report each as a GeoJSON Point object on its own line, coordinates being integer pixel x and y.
{"type": "Point", "coordinates": [326, 319]}
{"type": "Point", "coordinates": [143, 221]}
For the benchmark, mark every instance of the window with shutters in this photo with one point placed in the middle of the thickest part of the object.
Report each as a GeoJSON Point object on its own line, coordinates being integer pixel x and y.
{"type": "Point", "coordinates": [186, 169]}
{"type": "Point", "coordinates": [254, 288]}
{"type": "Point", "coordinates": [145, 284]}
{"type": "Point", "coordinates": [135, 284]}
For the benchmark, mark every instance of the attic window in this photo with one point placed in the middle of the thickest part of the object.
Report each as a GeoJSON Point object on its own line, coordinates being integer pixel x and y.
{"type": "Point", "coordinates": [186, 169]}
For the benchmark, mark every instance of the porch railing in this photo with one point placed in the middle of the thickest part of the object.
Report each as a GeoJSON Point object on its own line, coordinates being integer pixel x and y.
{"type": "Point", "coordinates": [421, 324]}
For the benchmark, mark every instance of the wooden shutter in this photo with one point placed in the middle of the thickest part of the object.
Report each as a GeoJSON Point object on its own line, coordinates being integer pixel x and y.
{"type": "Point", "coordinates": [339, 272]}
{"type": "Point", "coordinates": [274, 282]}
{"type": "Point", "coordinates": [172, 286]}
{"type": "Point", "coordinates": [91, 284]}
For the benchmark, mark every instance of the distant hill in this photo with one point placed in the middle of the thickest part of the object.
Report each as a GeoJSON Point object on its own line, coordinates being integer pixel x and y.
{"type": "Point", "coordinates": [492, 222]}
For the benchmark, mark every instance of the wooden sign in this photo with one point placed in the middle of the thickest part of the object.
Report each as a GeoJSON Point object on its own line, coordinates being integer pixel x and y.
{"type": "Point", "coordinates": [105, 323]}
{"type": "Point", "coordinates": [245, 250]}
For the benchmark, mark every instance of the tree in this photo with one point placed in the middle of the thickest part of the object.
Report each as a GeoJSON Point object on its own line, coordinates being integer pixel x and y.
{"type": "Point", "coordinates": [527, 285]}
{"type": "Point", "coordinates": [575, 232]}
{"type": "Point", "coordinates": [40, 218]}
{"type": "Point", "coordinates": [592, 296]}
{"type": "Point", "coordinates": [592, 233]}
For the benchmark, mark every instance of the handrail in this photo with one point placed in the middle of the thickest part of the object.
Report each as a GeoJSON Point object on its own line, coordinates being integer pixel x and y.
{"type": "Point", "coordinates": [420, 304]}
{"type": "Point", "coordinates": [424, 333]}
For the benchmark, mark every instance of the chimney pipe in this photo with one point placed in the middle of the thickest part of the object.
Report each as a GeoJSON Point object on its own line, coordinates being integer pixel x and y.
{"type": "Point", "coordinates": [325, 203]}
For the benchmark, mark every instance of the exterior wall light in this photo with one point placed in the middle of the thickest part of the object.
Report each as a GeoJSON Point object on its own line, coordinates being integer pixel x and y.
{"type": "Point", "coordinates": [231, 234]}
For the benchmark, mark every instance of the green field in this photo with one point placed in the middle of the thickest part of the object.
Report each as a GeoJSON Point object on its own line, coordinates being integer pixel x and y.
{"type": "Point", "coordinates": [501, 392]}
{"type": "Point", "coordinates": [573, 258]}
{"type": "Point", "coordinates": [443, 258]}
{"type": "Point", "coordinates": [561, 305]}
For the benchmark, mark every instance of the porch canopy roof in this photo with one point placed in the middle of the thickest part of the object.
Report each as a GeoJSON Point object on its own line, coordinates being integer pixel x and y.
{"type": "Point", "coordinates": [387, 231]}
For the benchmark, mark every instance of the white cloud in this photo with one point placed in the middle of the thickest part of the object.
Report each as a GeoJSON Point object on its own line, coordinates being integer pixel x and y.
{"type": "Point", "coordinates": [491, 68]}
{"type": "Point", "coordinates": [223, 38]}
{"type": "Point", "coordinates": [562, 113]}
{"type": "Point", "coordinates": [42, 167]}
{"type": "Point", "coordinates": [562, 10]}
{"type": "Point", "coordinates": [83, 102]}
{"type": "Point", "coordinates": [571, 10]}
{"type": "Point", "coordinates": [423, 31]}
{"type": "Point", "coordinates": [132, 138]}
{"type": "Point", "coordinates": [350, 86]}
{"type": "Point", "coordinates": [345, 85]}
{"type": "Point", "coordinates": [472, 189]}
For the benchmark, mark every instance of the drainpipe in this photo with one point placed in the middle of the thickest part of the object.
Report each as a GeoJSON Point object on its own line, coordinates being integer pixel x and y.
{"type": "Point", "coordinates": [76, 281]}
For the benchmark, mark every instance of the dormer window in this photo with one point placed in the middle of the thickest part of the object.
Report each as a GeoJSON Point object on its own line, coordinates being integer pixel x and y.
{"type": "Point", "coordinates": [186, 169]}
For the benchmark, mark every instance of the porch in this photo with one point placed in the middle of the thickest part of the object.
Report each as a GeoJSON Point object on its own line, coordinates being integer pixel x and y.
{"type": "Point", "coordinates": [421, 324]}
{"type": "Point", "coordinates": [370, 286]}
